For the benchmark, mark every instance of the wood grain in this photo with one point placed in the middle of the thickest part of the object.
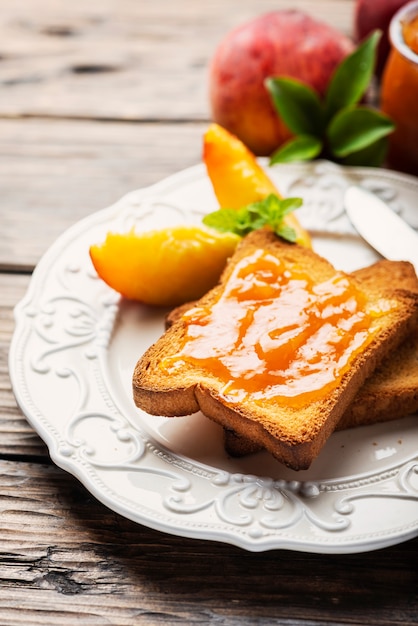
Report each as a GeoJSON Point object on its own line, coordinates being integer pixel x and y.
{"type": "Point", "coordinates": [17, 438]}
{"type": "Point", "coordinates": [100, 98]}
{"type": "Point", "coordinates": [124, 60]}
{"type": "Point", "coordinates": [55, 172]}
{"type": "Point", "coordinates": [67, 559]}
{"type": "Point", "coordinates": [113, 98]}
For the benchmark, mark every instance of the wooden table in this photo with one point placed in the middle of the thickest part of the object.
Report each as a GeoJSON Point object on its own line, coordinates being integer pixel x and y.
{"type": "Point", "coordinates": [100, 98]}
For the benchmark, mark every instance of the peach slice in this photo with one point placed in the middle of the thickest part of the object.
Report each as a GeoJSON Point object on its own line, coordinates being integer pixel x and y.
{"type": "Point", "coordinates": [237, 177]}
{"type": "Point", "coordinates": [164, 267]}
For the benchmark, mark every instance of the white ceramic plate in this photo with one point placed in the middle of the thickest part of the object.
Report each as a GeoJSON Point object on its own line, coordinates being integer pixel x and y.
{"type": "Point", "coordinates": [71, 362]}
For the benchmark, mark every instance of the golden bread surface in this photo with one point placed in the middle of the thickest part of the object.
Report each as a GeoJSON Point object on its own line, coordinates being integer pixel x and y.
{"type": "Point", "coordinates": [293, 433]}
{"type": "Point", "coordinates": [390, 393]}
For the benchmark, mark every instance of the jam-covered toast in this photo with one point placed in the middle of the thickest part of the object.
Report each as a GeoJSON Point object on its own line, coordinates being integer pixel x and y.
{"type": "Point", "coordinates": [390, 393]}
{"type": "Point", "coordinates": [278, 350]}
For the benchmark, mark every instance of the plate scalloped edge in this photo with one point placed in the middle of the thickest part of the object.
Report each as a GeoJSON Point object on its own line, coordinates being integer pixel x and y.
{"type": "Point", "coordinates": [64, 327]}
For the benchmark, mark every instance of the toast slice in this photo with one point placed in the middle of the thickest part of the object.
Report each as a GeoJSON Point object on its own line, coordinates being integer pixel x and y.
{"type": "Point", "coordinates": [170, 379]}
{"type": "Point", "coordinates": [390, 393]}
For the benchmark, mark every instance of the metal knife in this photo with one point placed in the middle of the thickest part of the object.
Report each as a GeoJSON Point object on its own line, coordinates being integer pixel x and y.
{"type": "Point", "coordinates": [383, 229]}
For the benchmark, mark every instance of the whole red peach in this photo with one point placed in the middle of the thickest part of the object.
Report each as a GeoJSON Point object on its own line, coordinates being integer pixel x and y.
{"type": "Point", "coordinates": [370, 15]}
{"type": "Point", "coordinates": [281, 43]}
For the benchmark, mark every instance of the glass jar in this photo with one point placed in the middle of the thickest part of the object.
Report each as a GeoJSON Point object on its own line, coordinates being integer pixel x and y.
{"type": "Point", "coordinates": [399, 91]}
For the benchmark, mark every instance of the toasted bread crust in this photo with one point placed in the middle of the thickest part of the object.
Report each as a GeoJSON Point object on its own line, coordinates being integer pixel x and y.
{"type": "Point", "coordinates": [391, 392]}
{"type": "Point", "coordinates": [293, 436]}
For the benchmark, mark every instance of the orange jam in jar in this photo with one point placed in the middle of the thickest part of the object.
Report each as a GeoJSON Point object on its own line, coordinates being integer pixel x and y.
{"type": "Point", "coordinates": [399, 93]}
{"type": "Point", "coordinates": [276, 335]}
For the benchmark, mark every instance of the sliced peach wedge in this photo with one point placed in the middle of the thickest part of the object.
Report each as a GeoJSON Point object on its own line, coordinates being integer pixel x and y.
{"type": "Point", "coordinates": [164, 267]}
{"type": "Point", "coordinates": [237, 178]}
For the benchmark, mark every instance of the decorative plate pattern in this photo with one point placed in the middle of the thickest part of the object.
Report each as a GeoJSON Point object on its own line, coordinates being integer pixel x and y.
{"type": "Point", "coordinates": [71, 361]}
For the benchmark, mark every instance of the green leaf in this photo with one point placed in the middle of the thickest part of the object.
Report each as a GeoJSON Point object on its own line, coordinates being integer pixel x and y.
{"type": "Point", "coordinates": [301, 148]}
{"type": "Point", "coordinates": [268, 212]}
{"type": "Point", "coordinates": [287, 232]}
{"type": "Point", "coordinates": [352, 130]}
{"type": "Point", "coordinates": [298, 105]}
{"type": "Point", "coordinates": [272, 210]}
{"type": "Point", "coordinates": [241, 221]}
{"type": "Point", "coordinates": [352, 76]}
{"type": "Point", "coordinates": [288, 205]}
{"type": "Point", "coordinates": [337, 127]}
{"type": "Point", "coordinates": [371, 156]}
{"type": "Point", "coordinates": [223, 220]}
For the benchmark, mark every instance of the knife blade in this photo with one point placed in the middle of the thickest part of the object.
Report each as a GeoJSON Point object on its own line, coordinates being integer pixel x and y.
{"type": "Point", "coordinates": [380, 226]}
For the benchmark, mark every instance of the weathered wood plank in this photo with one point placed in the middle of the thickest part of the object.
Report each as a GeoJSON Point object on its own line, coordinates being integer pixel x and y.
{"type": "Point", "coordinates": [65, 558]}
{"type": "Point", "coordinates": [122, 60]}
{"type": "Point", "coordinates": [17, 438]}
{"type": "Point", "coordinates": [142, 67]}
{"type": "Point", "coordinates": [56, 172]}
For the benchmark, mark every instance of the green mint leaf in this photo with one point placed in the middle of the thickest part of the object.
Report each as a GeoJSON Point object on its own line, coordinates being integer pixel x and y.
{"type": "Point", "coordinates": [352, 76]}
{"type": "Point", "coordinates": [268, 212]}
{"type": "Point", "coordinates": [244, 221]}
{"type": "Point", "coordinates": [239, 221]}
{"type": "Point", "coordinates": [272, 210]}
{"type": "Point", "coordinates": [286, 232]}
{"type": "Point", "coordinates": [352, 130]}
{"type": "Point", "coordinates": [301, 148]}
{"type": "Point", "coordinates": [223, 220]}
{"type": "Point", "coordinates": [278, 209]}
{"type": "Point", "coordinates": [288, 205]}
{"type": "Point", "coordinates": [371, 156]}
{"type": "Point", "coordinates": [269, 208]}
{"type": "Point", "coordinates": [298, 105]}
{"type": "Point", "coordinates": [256, 218]}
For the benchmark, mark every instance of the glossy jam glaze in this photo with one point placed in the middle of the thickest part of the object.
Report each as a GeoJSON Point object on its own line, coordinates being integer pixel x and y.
{"type": "Point", "coordinates": [276, 335]}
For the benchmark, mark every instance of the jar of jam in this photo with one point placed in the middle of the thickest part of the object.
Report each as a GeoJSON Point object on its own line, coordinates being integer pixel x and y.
{"type": "Point", "coordinates": [399, 92]}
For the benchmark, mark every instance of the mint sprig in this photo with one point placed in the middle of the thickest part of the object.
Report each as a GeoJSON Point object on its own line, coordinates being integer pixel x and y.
{"type": "Point", "coordinates": [270, 211]}
{"type": "Point", "coordinates": [336, 127]}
